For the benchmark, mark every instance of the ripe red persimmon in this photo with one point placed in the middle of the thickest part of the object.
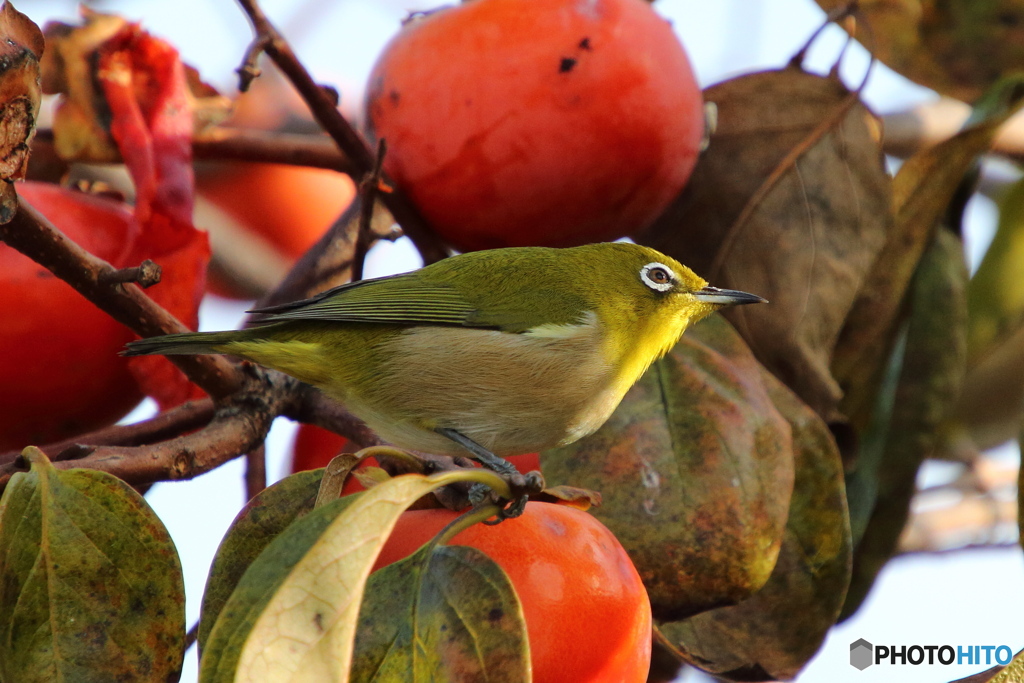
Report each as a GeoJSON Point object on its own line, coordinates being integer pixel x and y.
{"type": "Point", "coordinates": [519, 122]}
{"type": "Point", "coordinates": [59, 353]}
{"type": "Point", "coordinates": [587, 613]}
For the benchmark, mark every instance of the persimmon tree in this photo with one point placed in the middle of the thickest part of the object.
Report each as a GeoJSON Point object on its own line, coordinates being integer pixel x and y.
{"type": "Point", "coordinates": [738, 504]}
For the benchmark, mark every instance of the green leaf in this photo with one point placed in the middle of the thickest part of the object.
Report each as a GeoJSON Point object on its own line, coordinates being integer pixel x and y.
{"type": "Point", "coordinates": [695, 468]}
{"type": "Point", "coordinates": [262, 520]}
{"type": "Point", "coordinates": [771, 635]}
{"type": "Point", "coordinates": [993, 397]}
{"type": "Point", "coordinates": [90, 583]}
{"type": "Point", "coordinates": [442, 614]}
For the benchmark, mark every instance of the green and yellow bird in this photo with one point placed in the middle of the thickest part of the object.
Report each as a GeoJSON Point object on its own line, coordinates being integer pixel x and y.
{"type": "Point", "coordinates": [504, 351]}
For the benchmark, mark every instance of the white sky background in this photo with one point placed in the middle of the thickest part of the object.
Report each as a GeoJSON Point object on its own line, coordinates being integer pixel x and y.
{"type": "Point", "coordinates": [964, 598]}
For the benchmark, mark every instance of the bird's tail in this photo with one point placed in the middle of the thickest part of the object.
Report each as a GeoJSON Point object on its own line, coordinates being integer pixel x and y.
{"type": "Point", "coordinates": [186, 343]}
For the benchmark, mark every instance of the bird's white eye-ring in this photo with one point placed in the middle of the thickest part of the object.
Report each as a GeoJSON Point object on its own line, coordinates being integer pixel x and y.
{"type": "Point", "coordinates": [658, 276]}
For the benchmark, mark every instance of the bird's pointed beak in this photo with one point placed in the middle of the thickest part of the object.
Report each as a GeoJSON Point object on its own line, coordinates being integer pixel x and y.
{"type": "Point", "coordinates": [726, 297]}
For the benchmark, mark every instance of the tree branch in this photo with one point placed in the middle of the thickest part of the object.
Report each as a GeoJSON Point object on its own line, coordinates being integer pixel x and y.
{"type": "Point", "coordinates": [188, 416]}
{"type": "Point", "coordinates": [34, 236]}
{"type": "Point", "coordinates": [237, 144]}
{"type": "Point", "coordinates": [245, 144]}
{"type": "Point", "coordinates": [369, 188]}
{"type": "Point", "coordinates": [324, 109]}
{"type": "Point", "coordinates": [239, 425]}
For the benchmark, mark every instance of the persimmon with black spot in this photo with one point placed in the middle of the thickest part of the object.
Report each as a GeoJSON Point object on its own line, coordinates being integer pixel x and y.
{"type": "Point", "coordinates": [515, 123]}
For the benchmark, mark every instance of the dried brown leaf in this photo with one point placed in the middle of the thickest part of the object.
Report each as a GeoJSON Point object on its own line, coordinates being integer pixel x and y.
{"type": "Point", "coordinates": [695, 469]}
{"type": "Point", "coordinates": [922, 191]}
{"type": "Point", "coordinates": [573, 496]}
{"type": "Point", "coordinates": [958, 48]}
{"type": "Point", "coordinates": [794, 194]}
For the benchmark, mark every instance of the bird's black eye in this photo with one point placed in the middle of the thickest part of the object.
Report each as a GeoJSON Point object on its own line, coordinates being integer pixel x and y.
{"type": "Point", "coordinates": [658, 276]}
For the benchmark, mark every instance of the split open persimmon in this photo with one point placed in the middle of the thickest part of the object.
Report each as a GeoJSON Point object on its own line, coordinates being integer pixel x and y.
{"type": "Point", "coordinates": [587, 613]}
{"type": "Point", "coordinates": [520, 122]}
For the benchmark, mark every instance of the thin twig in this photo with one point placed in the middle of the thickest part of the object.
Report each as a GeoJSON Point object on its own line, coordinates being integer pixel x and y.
{"type": "Point", "coordinates": [930, 124]}
{"type": "Point", "coordinates": [191, 636]}
{"type": "Point", "coordinates": [369, 188]}
{"type": "Point", "coordinates": [328, 263]}
{"type": "Point", "coordinates": [975, 521]}
{"type": "Point", "coordinates": [145, 275]}
{"type": "Point", "coordinates": [184, 418]}
{"type": "Point", "coordinates": [324, 109]}
{"type": "Point", "coordinates": [249, 70]}
{"type": "Point", "coordinates": [237, 144]}
{"type": "Point", "coordinates": [255, 471]}
{"type": "Point", "coordinates": [222, 143]}
{"type": "Point", "coordinates": [34, 236]}
{"type": "Point", "coordinates": [836, 15]}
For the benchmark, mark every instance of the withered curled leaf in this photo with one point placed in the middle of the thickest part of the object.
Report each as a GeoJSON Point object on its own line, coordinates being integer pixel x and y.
{"type": "Point", "coordinates": [80, 59]}
{"type": "Point", "coordinates": [791, 202]}
{"type": "Point", "coordinates": [695, 470]}
{"type": "Point", "coordinates": [21, 46]}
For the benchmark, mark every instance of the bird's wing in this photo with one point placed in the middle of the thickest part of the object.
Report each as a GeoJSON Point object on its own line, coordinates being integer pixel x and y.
{"type": "Point", "coordinates": [488, 297]}
{"type": "Point", "coordinates": [398, 299]}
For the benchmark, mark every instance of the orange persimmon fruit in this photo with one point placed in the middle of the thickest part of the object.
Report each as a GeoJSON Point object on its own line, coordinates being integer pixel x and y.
{"type": "Point", "coordinates": [587, 613]}
{"type": "Point", "coordinates": [521, 122]}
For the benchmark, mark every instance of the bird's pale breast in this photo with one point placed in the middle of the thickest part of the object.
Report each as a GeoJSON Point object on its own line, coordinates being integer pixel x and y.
{"type": "Point", "coordinates": [511, 393]}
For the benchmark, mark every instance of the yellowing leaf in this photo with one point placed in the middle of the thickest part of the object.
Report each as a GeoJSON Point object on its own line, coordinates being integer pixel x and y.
{"type": "Point", "coordinates": [993, 397]}
{"type": "Point", "coordinates": [293, 615]}
{"type": "Point", "coordinates": [262, 520]}
{"type": "Point", "coordinates": [925, 379]}
{"type": "Point", "coordinates": [90, 583]}
{"type": "Point", "coordinates": [1013, 672]}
